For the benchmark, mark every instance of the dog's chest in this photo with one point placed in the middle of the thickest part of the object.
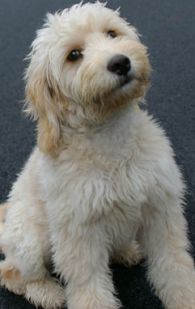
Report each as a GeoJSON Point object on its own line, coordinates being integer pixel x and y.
{"type": "Point", "coordinates": [91, 189]}
{"type": "Point", "coordinates": [102, 174]}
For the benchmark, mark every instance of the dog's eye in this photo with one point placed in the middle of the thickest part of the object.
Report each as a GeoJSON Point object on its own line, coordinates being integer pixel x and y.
{"type": "Point", "coordinates": [74, 55]}
{"type": "Point", "coordinates": [112, 34]}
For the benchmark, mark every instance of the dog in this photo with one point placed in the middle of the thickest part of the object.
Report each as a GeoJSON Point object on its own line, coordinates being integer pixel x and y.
{"type": "Point", "coordinates": [102, 182]}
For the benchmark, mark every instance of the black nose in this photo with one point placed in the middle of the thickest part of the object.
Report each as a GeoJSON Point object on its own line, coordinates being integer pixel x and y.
{"type": "Point", "coordinates": [119, 64]}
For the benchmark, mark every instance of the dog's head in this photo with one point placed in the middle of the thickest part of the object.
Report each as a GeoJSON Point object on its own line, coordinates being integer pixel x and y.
{"type": "Point", "coordinates": [85, 63]}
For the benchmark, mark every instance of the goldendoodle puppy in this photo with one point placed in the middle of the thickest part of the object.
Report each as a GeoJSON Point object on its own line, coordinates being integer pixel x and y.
{"type": "Point", "coordinates": [102, 178]}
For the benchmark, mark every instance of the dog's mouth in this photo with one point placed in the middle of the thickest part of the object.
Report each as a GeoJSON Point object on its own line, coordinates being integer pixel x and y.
{"type": "Point", "coordinates": [127, 81]}
{"type": "Point", "coordinates": [124, 80]}
{"type": "Point", "coordinates": [122, 85]}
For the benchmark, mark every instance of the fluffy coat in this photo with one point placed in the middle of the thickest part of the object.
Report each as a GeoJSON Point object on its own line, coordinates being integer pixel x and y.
{"type": "Point", "coordinates": [102, 178]}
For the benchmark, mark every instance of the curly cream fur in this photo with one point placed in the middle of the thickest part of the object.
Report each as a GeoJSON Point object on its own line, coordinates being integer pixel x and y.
{"type": "Point", "coordinates": [102, 177]}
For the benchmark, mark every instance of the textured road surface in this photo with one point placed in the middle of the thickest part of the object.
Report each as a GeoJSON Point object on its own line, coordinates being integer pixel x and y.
{"type": "Point", "coordinates": [168, 29]}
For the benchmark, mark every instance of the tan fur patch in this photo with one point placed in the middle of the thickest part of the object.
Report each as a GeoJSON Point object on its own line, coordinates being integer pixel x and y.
{"type": "Point", "coordinates": [9, 272]}
{"type": "Point", "coordinates": [43, 103]}
{"type": "Point", "coordinates": [3, 208]}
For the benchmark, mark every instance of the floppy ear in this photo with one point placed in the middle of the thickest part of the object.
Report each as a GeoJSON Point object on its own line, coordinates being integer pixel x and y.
{"type": "Point", "coordinates": [42, 100]}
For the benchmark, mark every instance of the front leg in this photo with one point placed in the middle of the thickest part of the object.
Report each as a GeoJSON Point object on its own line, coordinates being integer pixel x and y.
{"type": "Point", "coordinates": [171, 268]}
{"type": "Point", "coordinates": [81, 258]}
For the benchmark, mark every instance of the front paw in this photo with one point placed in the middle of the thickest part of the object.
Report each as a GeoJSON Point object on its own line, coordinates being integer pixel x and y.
{"type": "Point", "coordinates": [183, 298]}
{"type": "Point", "coordinates": [90, 301]}
{"type": "Point", "coordinates": [182, 306]}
